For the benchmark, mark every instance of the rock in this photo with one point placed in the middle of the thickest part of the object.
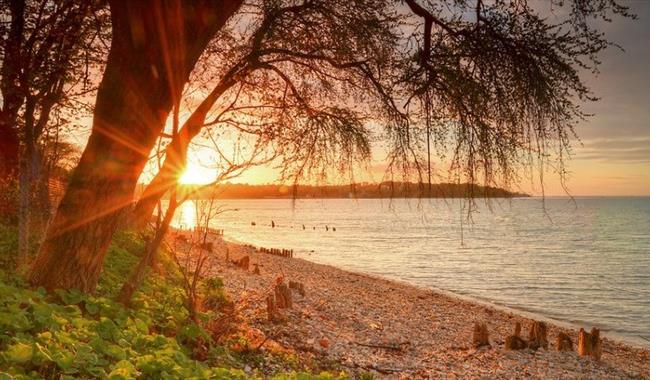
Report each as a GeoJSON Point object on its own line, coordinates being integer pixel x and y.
{"type": "Point", "coordinates": [480, 337]}
{"type": "Point", "coordinates": [256, 269]}
{"type": "Point", "coordinates": [537, 336]}
{"type": "Point", "coordinates": [324, 343]}
{"type": "Point", "coordinates": [589, 344]}
{"type": "Point", "coordinates": [564, 342]}
{"type": "Point", "coordinates": [515, 342]}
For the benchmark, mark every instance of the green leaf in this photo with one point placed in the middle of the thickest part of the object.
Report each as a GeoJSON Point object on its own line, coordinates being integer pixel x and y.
{"type": "Point", "coordinates": [70, 297]}
{"type": "Point", "coordinates": [19, 353]}
{"type": "Point", "coordinates": [115, 351]}
{"type": "Point", "coordinates": [63, 359]}
{"type": "Point", "coordinates": [123, 370]}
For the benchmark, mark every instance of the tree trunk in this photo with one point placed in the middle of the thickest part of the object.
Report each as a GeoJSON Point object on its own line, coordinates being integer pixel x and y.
{"type": "Point", "coordinates": [12, 100]}
{"type": "Point", "coordinates": [176, 155]}
{"type": "Point", "coordinates": [25, 183]}
{"type": "Point", "coordinates": [137, 276]}
{"type": "Point", "coordinates": [154, 48]}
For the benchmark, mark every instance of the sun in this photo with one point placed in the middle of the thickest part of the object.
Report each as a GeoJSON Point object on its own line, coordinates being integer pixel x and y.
{"type": "Point", "coordinates": [195, 174]}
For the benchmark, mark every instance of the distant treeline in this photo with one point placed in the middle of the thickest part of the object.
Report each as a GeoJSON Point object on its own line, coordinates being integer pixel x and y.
{"type": "Point", "coordinates": [364, 190]}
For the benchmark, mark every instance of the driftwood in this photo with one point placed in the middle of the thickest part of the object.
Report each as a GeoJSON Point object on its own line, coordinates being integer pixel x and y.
{"type": "Point", "coordinates": [515, 342]}
{"type": "Point", "coordinates": [480, 337]}
{"type": "Point", "coordinates": [589, 344]}
{"type": "Point", "coordinates": [283, 296]}
{"type": "Point", "coordinates": [564, 342]}
{"type": "Point", "coordinates": [298, 286]}
{"type": "Point", "coordinates": [537, 336]}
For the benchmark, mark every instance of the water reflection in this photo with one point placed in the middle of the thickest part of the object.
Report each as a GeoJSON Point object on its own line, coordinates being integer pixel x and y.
{"type": "Point", "coordinates": [185, 217]}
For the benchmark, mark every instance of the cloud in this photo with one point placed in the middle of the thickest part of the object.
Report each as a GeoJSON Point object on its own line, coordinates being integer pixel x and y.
{"type": "Point", "coordinates": [616, 150]}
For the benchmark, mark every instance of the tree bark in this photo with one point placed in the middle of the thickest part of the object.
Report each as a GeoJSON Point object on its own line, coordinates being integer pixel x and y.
{"type": "Point", "coordinates": [154, 48]}
{"type": "Point", "coordinates": [25, 183]}
{"type": "Point", "coordinates": [12, 100]}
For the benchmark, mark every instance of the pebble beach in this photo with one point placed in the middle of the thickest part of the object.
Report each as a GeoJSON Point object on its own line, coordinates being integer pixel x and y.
{"type": "Point", "coordinates": [398, 331]}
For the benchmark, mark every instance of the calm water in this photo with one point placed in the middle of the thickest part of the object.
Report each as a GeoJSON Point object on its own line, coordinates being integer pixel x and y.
{"type": "Point", "coordinates": [585, 262]}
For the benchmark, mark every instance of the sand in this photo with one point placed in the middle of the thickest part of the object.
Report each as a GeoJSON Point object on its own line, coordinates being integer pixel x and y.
{"type": "Point", "coordinates": [396, 330]}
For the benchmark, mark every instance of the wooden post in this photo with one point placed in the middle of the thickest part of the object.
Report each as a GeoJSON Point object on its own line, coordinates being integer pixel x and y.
{"type": "Point", "coordinates": [298, 286]}
{"type": "Point", "coordinates": [271, 307]}
{"type": "Point", "coordinates": [243, 263]}
{"type": "Point", "coordinates": [283, 296]}
{"type": "Point", "coordinates": [589, 344]}
{"type": "Point", "coordinates": [515, 342]}
{"type": "Point", "coordinates": [564, 342]}
{"type": "Point", "coordinates": [480, 337]}
{"type": "Point", "coordinates": [537, 336]}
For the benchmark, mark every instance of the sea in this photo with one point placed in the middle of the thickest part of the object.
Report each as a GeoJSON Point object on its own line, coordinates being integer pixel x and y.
{"type": "Point", "coordinates": [581, 261]}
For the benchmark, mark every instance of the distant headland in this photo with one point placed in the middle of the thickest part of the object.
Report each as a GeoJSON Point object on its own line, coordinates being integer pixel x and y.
{"type": "Point", "coordinates": [362, 190]}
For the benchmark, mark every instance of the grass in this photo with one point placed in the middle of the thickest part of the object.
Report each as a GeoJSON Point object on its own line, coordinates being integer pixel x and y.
{"type": "Point", "coordinates": [68, 334]}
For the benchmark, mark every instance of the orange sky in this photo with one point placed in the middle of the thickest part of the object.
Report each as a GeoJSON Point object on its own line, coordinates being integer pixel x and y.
{"type": "Point", "coordinates": [614, 156]}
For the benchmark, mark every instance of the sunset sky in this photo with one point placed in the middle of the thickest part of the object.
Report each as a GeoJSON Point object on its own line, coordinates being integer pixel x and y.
{"type": "Point", "coordinates": [613, 157]}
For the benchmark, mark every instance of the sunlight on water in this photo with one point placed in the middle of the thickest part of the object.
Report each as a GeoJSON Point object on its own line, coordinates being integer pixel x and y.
{"type": "Point", "coordinates": [185, 217]}
{"type": "Point", "coordinates": [586, 262]}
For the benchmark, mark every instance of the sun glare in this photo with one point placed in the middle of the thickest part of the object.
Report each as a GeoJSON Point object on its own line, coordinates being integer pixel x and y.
{"type": "Point", "coordinates": [194, 174]}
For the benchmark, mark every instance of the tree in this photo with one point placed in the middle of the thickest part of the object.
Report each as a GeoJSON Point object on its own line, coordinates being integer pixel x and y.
{"type": "Point", "coordinates": [277, 92]}
{"type": "Point", "coordinates": [45, 70]}
{"type": "Point", "coordinates": [498, 86]}
{"type": "Point", "coordinates": [154, 47]}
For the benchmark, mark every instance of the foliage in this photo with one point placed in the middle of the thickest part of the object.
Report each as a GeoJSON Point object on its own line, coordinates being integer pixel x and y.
{"type": "Point", "coordinates": [69, 334]}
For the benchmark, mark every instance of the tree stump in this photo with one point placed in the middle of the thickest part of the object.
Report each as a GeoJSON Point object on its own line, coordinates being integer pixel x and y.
{"type": "Point", "coordinates": [283, 296]}
{"type": "Point", "coordinates": [564, 342]}
{"type": "Point", "coordinates": [298, 286]}
{"type": "Point", "coordinates": [589, 344]}
{"type": "Point", "coordinates": [537, 336]}
{"type": "Point", "coordinates": [208, 246]}
{"type": "Point", "coordinates": [243, 263]}
{"type": "Point", "coordinates": [480, 337]}
{"type": "Point", "coordinates": [271, 308]}
{"type": "Point", "coordinates": [515, 342]}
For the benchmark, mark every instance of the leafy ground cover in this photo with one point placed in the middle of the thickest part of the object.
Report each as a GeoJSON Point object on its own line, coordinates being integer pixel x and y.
{"type": "Point", "coordinates": [69, 335]}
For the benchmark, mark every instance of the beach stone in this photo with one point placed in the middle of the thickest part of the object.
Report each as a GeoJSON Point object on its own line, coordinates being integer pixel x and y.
{"type": "Point", "coordinates": [324, 343]}
{"type": "Point", "coordinates": [480, 337]}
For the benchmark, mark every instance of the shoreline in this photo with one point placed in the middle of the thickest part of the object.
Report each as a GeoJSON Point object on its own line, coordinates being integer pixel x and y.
{"type": "Point", "coordinates": [637, 342]}
{"type": "Point", "coordinates": [394, 328]}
